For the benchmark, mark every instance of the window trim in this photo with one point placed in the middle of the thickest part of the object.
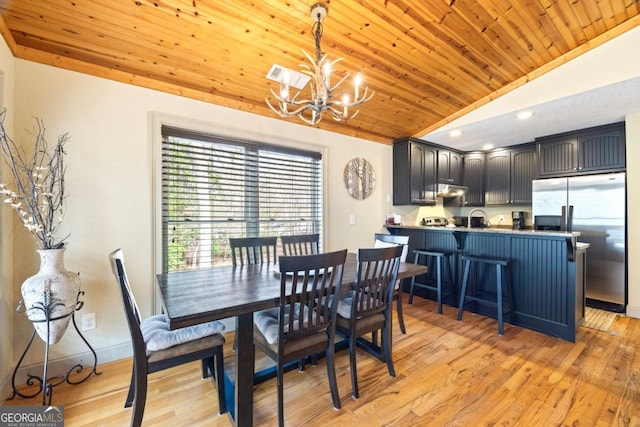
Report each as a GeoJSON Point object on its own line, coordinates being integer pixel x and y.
{"type": "Point", "coordinates": [223, 130]}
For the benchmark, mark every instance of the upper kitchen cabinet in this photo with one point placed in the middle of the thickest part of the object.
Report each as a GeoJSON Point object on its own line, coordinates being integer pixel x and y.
{"type": "Point", "coordinates": [473, 179]}
{"type": "Point", "coordinates": [414, 173]}
{"type": "Point", "coordinates": [598, 149]}
{"type": "Point", "coordinates": [509, 175]}
{"type": "Point", "coordinates": [474, 174]}
{"type": "Point", "coordinates": [450, 167]}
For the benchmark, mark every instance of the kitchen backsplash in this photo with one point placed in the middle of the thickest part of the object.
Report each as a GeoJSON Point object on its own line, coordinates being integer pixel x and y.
{"type": "Point", "coordinates": [412, 215]}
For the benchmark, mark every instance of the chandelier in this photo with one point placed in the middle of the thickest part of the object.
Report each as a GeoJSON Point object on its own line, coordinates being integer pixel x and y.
{"type": "Point", "coordinates": [324, 97]}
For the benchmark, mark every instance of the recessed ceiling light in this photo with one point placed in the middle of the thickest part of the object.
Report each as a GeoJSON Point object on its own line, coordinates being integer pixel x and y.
{"type": "Point", "coordinates": [455, 133]}
{"type": "Point", "coordinates": [524, 115]}
{"type": "Point", "coordinates": [487, 146]}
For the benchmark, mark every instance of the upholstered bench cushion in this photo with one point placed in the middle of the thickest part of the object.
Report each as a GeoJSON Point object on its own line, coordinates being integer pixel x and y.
{"type": "Point", "coordinates": [157, 336]}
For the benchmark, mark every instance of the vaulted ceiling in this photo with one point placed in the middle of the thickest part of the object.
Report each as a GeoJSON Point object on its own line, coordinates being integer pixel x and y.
{"type": "Point", "coordinates": [428, 61]}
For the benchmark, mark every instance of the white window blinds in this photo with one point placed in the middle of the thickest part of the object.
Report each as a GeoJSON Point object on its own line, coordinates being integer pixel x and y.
{"type": "Point", "coordinates": [214, 188]}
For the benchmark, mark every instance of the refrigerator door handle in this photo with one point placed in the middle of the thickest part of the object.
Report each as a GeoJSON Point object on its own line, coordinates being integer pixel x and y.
{"type": "Point", "coordinates": [570, 219]}
{"type": "Point", "coordinates": [563, 219]}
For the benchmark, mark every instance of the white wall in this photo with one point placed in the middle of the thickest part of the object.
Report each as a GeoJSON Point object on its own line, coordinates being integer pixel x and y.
{"type": "Point", "coordinates": [7, 287]}
{"type": "Point", "coordinates": [109, 185]}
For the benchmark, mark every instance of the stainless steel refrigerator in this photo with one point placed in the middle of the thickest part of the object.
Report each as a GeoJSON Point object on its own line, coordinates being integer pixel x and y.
{"type": "Point", "coordinates": [594, 205]}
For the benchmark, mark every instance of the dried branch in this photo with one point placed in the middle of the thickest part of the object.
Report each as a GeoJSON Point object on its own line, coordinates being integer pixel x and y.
{"type": "Point", "coordinates": [39, 184]}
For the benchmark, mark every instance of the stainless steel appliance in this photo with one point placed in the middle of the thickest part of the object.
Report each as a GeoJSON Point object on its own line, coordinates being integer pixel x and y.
{"type": "Point", "coordinates": [594, 205]}
{"type": "Point", "coordinates": [434, 221]}
{"type": "Point", "coordinates": [518, 220]}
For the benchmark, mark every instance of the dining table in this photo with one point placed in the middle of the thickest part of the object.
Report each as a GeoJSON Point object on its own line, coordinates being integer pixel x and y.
{"type": "Point", "coordinates": [192, 297]}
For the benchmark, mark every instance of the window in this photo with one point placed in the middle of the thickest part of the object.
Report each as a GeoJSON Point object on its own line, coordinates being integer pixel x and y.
{"type": "Point", "coordinates": [214, 188]}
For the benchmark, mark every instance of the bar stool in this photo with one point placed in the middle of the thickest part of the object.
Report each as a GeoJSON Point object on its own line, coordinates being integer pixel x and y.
{"type": "Point", "coordinates": [439, 257]}
{"type": "Point", "coordinates": [502, 279]}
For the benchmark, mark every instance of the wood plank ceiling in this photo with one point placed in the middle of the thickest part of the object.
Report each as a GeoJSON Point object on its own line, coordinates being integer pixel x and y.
{"type": "Point", "coordinates": [428, 61]}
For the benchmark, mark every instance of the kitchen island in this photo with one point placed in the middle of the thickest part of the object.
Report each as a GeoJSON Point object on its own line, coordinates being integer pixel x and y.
{"type": "Point", "coordinates": [548, 270]}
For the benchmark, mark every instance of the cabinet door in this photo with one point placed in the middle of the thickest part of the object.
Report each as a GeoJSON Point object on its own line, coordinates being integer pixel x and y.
{"type": "Point", "coordinates": [498, 187]}
{"type": "Point", "coordinates": [474, 172]}
{"type": "Point", "coordinates": [414, 174]}
{"type": "Point", "coordinates": [523, 172]}
{"type": "Point", "coordinates": [558, 158]}
{"type": "Point", "coordinates": [423, 174]}
{"type": "Point", "coordinates": [456, 167]}
{"type": "Point", "coordinates": [450, 167]}
{"type": "Point", "coordinates": [601, 151]}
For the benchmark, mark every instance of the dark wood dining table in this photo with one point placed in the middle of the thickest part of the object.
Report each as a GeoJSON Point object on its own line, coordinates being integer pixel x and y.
{"type": "Point", "coordinates": [197, 296]}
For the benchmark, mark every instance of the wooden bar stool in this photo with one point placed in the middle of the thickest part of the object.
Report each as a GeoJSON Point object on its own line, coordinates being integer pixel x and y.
{"type": "Point", "coordinates": [502, 280]}
{"type": "Point", "coordinates": [437, 257]}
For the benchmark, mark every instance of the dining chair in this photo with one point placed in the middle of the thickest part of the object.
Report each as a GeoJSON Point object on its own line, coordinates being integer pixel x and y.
{"type": "Point", "coordinates": [368, 307]}
{"type": "Point", "coordinates": [300, 244]}
{"type": "Point", "coordinates": [253, 250]}
{"type": "Point", "coordinates": [386, 240]}
{"type": "Point", "coordinates": [305, 325]}
{"type": "Point", "coordinates": [156, 348]}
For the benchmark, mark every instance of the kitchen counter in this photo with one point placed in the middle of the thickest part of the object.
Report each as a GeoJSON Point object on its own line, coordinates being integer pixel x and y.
{"type": "Point", "coordinates": [547, 272]}
{"type": "Point", "coordinates": [565, 234]}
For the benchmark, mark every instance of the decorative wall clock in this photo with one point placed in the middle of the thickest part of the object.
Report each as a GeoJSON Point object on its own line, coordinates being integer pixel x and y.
{"type": "Point", "coordinates": [359, 178]}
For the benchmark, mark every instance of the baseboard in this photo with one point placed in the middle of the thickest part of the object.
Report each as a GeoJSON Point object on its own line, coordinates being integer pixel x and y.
{"type": "Point", "coordinates": [633, 311]}
{"type": "Point", "coordinates": [61, 366]}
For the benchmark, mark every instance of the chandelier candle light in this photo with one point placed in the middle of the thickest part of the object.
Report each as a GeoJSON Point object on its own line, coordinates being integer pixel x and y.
{"type": "Point", "coordinates": [323, 95]}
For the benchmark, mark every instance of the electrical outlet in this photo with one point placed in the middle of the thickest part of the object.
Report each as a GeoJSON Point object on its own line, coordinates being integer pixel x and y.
{"type": "Point", "coordinates": [501, 218]}
{"type": "Point", "coordinates": [88, 321]}
{"type": "Point", "coordinates": [352, 219]}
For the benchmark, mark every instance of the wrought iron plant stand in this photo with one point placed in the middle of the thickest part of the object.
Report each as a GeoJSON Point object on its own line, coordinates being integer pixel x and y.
{"type": "Point", "coordinates": [46, 384]}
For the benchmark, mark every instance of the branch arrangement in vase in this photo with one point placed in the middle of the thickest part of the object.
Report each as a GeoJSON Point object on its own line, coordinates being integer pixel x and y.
{"type": "Point", "coordinates": [39, 196]}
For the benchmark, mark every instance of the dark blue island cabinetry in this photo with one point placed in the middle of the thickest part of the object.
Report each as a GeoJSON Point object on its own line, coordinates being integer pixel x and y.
{"type": "Point", "coordinates": [548, 270]}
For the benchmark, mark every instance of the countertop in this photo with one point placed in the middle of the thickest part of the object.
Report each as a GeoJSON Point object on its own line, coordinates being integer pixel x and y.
{"type": "Point", "coordinates": [491, 230]}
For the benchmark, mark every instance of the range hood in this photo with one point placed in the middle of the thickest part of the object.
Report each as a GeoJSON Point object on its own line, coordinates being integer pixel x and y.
{"type": "Point", "coordinates": [448, 190]}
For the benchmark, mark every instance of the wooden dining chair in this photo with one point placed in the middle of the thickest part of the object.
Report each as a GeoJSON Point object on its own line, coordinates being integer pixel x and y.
{"type": "Point", "coordinates": [300, 244]}
{"type": "Point", "coordinates": [386, 240]}
{"type": "Point", "coordinates": [305, 325]}
{"type": "Point", "coordinates": [156, 348]}
{"type": "Point", "coordinates": [253, 250]}
{"type": "Point", "coordinates": [368, 307]}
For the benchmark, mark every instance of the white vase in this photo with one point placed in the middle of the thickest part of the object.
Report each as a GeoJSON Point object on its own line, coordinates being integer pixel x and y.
{"type": "Point", "coordinates": [53, 289]}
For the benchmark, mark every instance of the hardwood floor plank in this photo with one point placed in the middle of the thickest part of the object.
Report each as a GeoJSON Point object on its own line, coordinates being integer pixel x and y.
{"type": "Point", "coordinates": [447, 373]}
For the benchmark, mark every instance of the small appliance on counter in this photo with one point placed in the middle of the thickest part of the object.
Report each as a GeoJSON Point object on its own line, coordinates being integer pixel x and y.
{"type": "Point", "coordinates": [476, 221]}
{"type": "Point", "coordinates": [394, 219]}
{"type": "Point", "coordinates": [434, 221]}
{"type": "Point", "coordinates": [518, 220]}
{"type": "Point", "coordinates": [547, 222]}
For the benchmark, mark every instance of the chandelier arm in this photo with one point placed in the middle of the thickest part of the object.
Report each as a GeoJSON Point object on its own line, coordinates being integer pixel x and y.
{"type": "Point", "coordinates": [339, 83]}
{"type": "Point", "coordinates": [281, 113]}
{"type": "Point", "coordinates": [310, 122]}
{"type": "Point", "coordinates": [291, 101]}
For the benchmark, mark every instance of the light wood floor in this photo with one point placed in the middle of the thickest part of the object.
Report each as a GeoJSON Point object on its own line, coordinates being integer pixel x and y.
{"type": "Point", "coordinates": [448, 373]}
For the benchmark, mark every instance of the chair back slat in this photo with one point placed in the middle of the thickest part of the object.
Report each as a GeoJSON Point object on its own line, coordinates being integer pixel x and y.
{"type": "Point", "coordinates": [132, 312]}
{"type": "Point", "coordinates": [301, 244]}
{"type": "Point", "coordinates": [253, 250]}
{"type": "Point", "coordinates": [376, 275]}
{"type": "Point", "coordinates": [307, 284]}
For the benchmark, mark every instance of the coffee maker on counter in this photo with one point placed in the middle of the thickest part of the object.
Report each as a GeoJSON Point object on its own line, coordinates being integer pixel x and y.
{"type": "Point", "coordinates": [518, 220]}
